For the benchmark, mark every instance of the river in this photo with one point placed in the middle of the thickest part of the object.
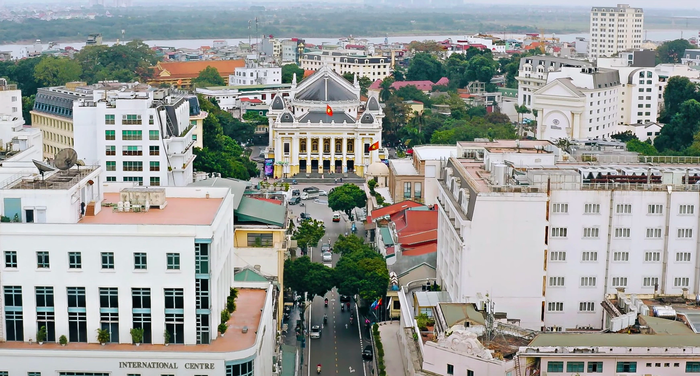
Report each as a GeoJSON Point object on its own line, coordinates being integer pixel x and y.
{"type": "Point", "coordinates": [653, 35]}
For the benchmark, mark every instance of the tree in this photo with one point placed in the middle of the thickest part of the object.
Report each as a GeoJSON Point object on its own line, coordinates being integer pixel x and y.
{"type": "Point", "coordinates": [56, 71]}
{"type": "Point", "coordinates": [364, 82]}
{"type": "Point", "coordinates": [399, 73]}
{"type": "Point", "coordinates": [239, 131]}
{"type": "Point", "coordinates": [672, 51]}
{"type": "Point", "coordinates": [348, 244]}
{"type": "Point", "coordinates": [678, 90]}
{"type": "Point", "coordinates": [309, 233]}
{"type": "Point", "coordinates": [288, 71]}
{"type": "Point", "coordinates": [625, 136]}
{"type": "Point", "coordinates": [347, 197]}
{"type": "Point", "coordinates": [27, 106]}
{"type": "Point", "coordinates": [303, 276]}
{"type": "Point", "coordinates": [643, 148]}
{"type": "Point", "coordinates": [678, 133]}
{"type": "Point", "coordinates": [209, 76]}
{"type": "Point", "coordinates": [386, 90]}
{"type": "Point", "coordinates": [424, 66]}
{"type": "Point", "coordinates": [411, 92]}
{"type": "Point", "coordinates": [124, 62]}
{"type": "Point", "coordinates": [362, 271]}
{"type": "Point", "coordinates": [395, 116]}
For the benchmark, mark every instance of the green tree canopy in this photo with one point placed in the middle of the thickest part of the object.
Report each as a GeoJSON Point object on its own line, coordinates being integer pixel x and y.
{"type": "Point", "coordinates": [347, 197]}
{"type": "Point", "coordinates": [303, 276]}
{"type": "Point", "coordinates": [425, 66]}
{"type": "Point", "coordinates": [209, 76]}
{"type": "Point", "coordinates": [288, 71]}
{"type": "Point", "coordinates": [678, 90]}
{"type": "Point", "coordinates": [364, 82]}
{"type": "Point", "coordinates": [395, 116]}
{"type": "Point", "coordinates": [309, 233]}
{"type": "Point", "coordinates": [471, 128]}
{"type": "Point", "coordinates": [672, 51]}
{"type": "Point", "coordinates": [234, 128]}
{"type": "Point", "coordinates": [678, 133]}
{"type": "Point", "coordinates": [643, 148]}
{"type": "Point", "coordinates": [411, 92]}
{"type": "Point", "coordinates": [348, 244]}
{"type": "Point", "coordinates": [132, 61]}
{"type": "Point", "coordinates": [56, 71]}
{"type": "Point", "coordinates": [362, 271]}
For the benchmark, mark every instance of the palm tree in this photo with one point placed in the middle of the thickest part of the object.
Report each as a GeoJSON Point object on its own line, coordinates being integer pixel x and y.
{"type": "Point", "coordinates": [385, 89]}
{"type": "Point", "coordinates": [521, 110]}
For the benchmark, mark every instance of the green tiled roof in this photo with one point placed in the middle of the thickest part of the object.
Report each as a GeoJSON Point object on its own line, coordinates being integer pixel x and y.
{"type": "Point", "coordinates": [252, 210]}
{"type": "Point", "coordinates": [456, 313]}
{"type": "Point", "coordinates": [386, 236]}
{"type": "Point", "coordinates": [249, 275]}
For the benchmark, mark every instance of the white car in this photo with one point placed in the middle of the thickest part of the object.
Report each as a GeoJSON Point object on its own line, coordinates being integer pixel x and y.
{"type": "Point", "coordinates": [315, 332]}
{"type": "Point", "coordinates": [322, 193]}
{"type": "Point", "coordinates": [327, 256]}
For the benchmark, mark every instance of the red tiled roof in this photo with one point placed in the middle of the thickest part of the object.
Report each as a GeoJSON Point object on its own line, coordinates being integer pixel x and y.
{"type": "Point", "coordinates": [422, 250]}
{"type": "Point", "coordinates": [420, 85]}
{"type": "Point", "coordinates": [191, 69]}
{"type": "Point", "coordinates": [390, 250]}
{"type": "Point", "coordinates": [421, 220]}
{"type": "Point", "coordinates": [418, 238]}
{"type": "Point", "coordinates": [277, 202]}
{"type": "Point", "coordinates": [395, 208]}
{"type": "Point", "coordinates": [251, 100]}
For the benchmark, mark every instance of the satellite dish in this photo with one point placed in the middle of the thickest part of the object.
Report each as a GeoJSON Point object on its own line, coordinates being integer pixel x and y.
{"type": "Point", "coordinates": [65, 159]}
{"type": "Point", "coordinates": [43, 167]}
{"type": "Point", "coordinates": [80, 162]}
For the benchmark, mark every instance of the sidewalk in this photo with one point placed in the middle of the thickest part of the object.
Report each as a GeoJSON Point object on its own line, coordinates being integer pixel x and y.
{"type": "Point", "coordinates": [393, 359]}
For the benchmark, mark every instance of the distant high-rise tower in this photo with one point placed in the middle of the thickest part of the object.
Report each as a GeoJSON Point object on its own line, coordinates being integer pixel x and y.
{"type": "Point", "coordinates": [615, 29]}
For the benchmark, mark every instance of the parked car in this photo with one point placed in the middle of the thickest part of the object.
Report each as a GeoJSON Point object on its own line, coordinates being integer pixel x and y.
{"type": "Point", "coordinates": [367, 353]}
{"type": "Point", "coordinates": [295, 192]}
{"type": "Point", "coordinates": [309, 189]}
{"type": "Point", "coordinates": [294, 200]}
{"type": "Point", "coordinates": [336, 217]}
{"type": "Point", "coordinates": [315, 332]}
{"type": "Point", "coordinates": [326, 248]}
{"type": "Point", "coordinates": [327, 256]}
{"type": "Point", "coordinates": [322, 193]}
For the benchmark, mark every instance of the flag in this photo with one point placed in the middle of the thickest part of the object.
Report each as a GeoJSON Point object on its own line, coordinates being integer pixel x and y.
{"type": "Point", "coordinates": [329, 110]}
{"type": "Point", "coordinates": [379, 303]}
{"type": "Point", "coordinates": [374, 305]}
{"type": "Point", "coordinates": [374, 146]}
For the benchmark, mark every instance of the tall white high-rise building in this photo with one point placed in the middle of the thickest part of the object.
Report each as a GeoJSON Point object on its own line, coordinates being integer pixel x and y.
{"type": "Point", "coordinates": [615, 29]}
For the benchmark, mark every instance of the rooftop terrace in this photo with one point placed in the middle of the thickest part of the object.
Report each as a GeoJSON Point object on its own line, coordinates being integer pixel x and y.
{"type": "Point", "coordinates": [59, 179]}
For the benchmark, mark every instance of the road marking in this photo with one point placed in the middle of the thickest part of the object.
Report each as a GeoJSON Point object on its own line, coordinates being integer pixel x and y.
{"type": "Point", "coordinates": [351, 370]}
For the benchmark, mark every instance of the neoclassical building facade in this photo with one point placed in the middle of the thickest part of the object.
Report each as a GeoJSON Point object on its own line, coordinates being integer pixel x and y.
{"type": "Point", "coordinates": [305, 137]}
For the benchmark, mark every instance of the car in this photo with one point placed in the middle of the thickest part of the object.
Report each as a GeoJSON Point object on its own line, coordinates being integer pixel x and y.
{"type": "Point", "coordinates": [326, 247]}
{"type": "Point", "coordinates": [304, 216]}
{"type": "Point", "coordinates": [295, 192]}
{"type": "Point", "coordinates": [327, 256]}
{"type": "Point", "coordinates": [315, 332]}
{"type": "Point", "coordinates": [344, 298]}
{"type": "Point", "coordinates": [322, 193]}
{"type": "Point", "coordinates": [294, 201]}
{"type": "Point", "coordinates": [310, 189]}
{"type": "Point", "coordinates": [367, 353]}
{"type": "Point", "coordinates": [336, 217]}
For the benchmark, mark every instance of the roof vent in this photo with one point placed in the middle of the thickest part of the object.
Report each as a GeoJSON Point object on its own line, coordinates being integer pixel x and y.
{"type": "Point", "coordinates": [245, 329]}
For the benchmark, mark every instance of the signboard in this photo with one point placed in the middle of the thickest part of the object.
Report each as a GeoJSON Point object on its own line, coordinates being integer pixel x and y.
{"type": "Point", "coordinates": [269, 166]}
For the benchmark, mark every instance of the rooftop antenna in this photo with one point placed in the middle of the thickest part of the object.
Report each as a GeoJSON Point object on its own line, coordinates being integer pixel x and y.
{"type": "Point", "coordinates": [257, 43]}
{"type": "Point", "coordinates": [65, 159]}
{"type": "Point", "coordinates": [250, 42]}
{"type": "Point", "coordinates": [490, 324]}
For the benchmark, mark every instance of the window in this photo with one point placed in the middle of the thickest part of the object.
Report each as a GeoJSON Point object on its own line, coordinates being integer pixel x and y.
{"type": "Point", "coordinates": [588, 281]}
{"type": "Point", "coordinates": [622, 232]}
{"type": "Point", "coordinates": [13, 313]}
{"type": "Point", "coordinates": [107, 260]}
{"type": "Point", "coordinates": [132, 166]}
{"type": "Point", "coordinates": [135, 179]}
{"type": "Point", "coordinates": [132, 135]}
{"type": "Point", "coordinates": [692, 367]}
{"type": "Point", "coordinates": [109, 119]}
{"type": "Point", "coordinates": [173, 261]}
{"type": "Point", "coordinates": [75, 260]}
{"type": "Point", "coordinates": [557, 256]}
{"type": "Point", "coordinates": [131, 119]}
{"type": "Point", "coordinates": [154, 135]}
{"type": "Point", "coordinates": [417, 190]}
{"type": "Point", "coordinates": [154, 165]}
{"type": "Point", "coordinates": [110, 135]}
{"type": "Point", "coordinates": [259, 240]}
{"type": "Point", "coordinates": [450, 369]}
{"type": "Point", "coordinates": [140, 261]}
{"type": "Point", "coordinates": [574, 367]}
{"type": "Point", "coordinates": [141, 311]}
{"type": "Point", "coordinates": [595, 367]}
{"type": "Point", "coordinates": [132, 150]}
{"type": "Point", "coordinates": [77, 317]}
{"type": "Point", "coordinates": [555, 366]}
{"type": "Point", "coordinates": [654, 233]}
{"type": "Point", "coordinates": [110, 150]}
{"type": "Point", "coordinates": [470, 372]}
{"type": "Point", "coordinates": [589, 256]}
{"type": "Point", "coordinates": [626, 367]}
{"type": "Point", "coordinates": [681, 282]}
{"type": "Point", "coordinates": [10, 259]}
{"type": "Point", "coordinates": [109, 312]}
{"type": "Point", "coordinates": [586, 307]}
{"type": "Point", "coordinates": [652, 256]}
{"type": "Point", "coordinates": [42, 259]}
{"type": "Point", "coordinates": [555, 306]}
{"type": "Point", "coordinates": [655, 209]}
{"type": "Point", "coordinates": [559, 232]}
{"type": "Point", "coordinates": [244, 369]}
{"type": "Point", "coordinates": [682, 256]}
{"type": "Point", "coordinates": [111, 178]}
{"type": "Point", "coordinates": [33, 373]}
{"type": "Point", "coordinates": [623, 209]}
{"type": "Point", "coordinates": [560, 208]}
{"type": "Point", "coordinates": [153, 150]}
{"type": "Point", "coordinates": [686, 209]}
{"type": "Point", "coordinates": [174, 314]}
{"type": "Point", "coordinates": [407, 189]}
{"type": "Point", "coordinates": [556, 281]}
{"type": "Point", "coordinates": [111, 165]}
{"type": "Point", "coordinates": [591, 209]}
{"type": "Point", "coordinates": [650, 282]}
{"type": "Point", "coordinates": [621, 256]}
{"type": "Point", "coordinates": [619, 281]}
{"type": "Point", "coordinates": [150, 121]}
{"type": "Point", "coordinates": [590, 232]}
{"type": "Point", "coordinates": [685, 233]}
{"type": "Point", "coordinates": [154, 181]}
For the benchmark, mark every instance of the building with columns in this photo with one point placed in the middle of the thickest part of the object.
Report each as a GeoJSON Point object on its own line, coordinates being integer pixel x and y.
{"type": "Point", "coordinates": [306, 139]}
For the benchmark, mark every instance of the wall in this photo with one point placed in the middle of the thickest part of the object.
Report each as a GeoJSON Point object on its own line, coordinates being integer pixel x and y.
{"type": "Point", "coordinates": [437, 358]}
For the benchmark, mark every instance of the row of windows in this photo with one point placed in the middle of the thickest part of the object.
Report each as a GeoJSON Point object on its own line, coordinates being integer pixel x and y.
{"type": "Point", "coordinates": [132, 150]}
{"type": "Point", "coordinates": [132, 165]}
{"type": "Point", "coordinates": [75, 260]}
{"type": "Point", "coordinates": [153, 180]}
{"type": "Point", "coordinates": [592, 256]}
{"type": "Point", "coordinates": [619, 233]}
{"type": "Point", "coordinates": [130, 119]}
{"type": "Point", "coordinates": [597, 367]}
{"type": "Point", "coordinates": [618, 281]}
{"type": "Point", "coordinates": [153, 135]}
{"type": "Point", "coordinates": [652, 209]}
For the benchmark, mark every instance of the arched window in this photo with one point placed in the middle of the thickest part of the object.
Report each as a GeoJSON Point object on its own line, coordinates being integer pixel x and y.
{"type": "Point", "coordinates": [302, 146]}
{"type": "Point", "coordinates": [314, 145]}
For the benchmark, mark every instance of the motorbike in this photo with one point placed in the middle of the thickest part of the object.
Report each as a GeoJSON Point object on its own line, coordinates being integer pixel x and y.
{"type": "Point", "coordinates": [325, 319]}
{"type": "Point", "coordinates": [325, 302]}
{"type": "Point", "coordinates": [318, 369]}
{"type": "Point", "coordinates": [350, 320]}
{"type": "Point", "coordinates": [342, 308]}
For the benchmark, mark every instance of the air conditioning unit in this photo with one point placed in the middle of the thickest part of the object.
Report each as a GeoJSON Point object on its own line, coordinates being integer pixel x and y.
{"type": "Point", "coordinates": [143, 195]}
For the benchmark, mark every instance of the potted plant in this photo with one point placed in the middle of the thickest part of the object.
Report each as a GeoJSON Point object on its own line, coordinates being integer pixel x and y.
{"type": "Point", "coordinates": [136, 335]}
{"type": "Point", "coordinates": [166, 337]}
{"type": "Point", "coordinates": [41, 335]}
{"type": "Point", "coordinates": [63, 340]}
{"type": "Point", "coordinates": [102, 336]}
{"type": "Point", "coordinates": [222, 328]}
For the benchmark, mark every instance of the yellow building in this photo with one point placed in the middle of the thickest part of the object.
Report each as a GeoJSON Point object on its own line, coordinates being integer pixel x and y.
{"type": "Point", "coordinates": [181, 73]}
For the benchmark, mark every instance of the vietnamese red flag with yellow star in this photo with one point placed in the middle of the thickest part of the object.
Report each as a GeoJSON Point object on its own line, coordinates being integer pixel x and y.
{"type": "Point", "coordinates": [374, 146]}
{"type": "Point", "coordinates": [329, 110]}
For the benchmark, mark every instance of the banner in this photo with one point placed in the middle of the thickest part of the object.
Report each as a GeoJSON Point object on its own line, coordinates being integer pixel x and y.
{"type": "Point", "coordinates": [269, 166]}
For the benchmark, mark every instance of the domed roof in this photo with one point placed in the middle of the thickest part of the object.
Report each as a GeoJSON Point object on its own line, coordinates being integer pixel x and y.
{"type": "Point", "coordinates": [372, 104]}
{"type": "Point", "coordinates": [378, 169]}
{"type": "Point", "coordinates": [278, 103]}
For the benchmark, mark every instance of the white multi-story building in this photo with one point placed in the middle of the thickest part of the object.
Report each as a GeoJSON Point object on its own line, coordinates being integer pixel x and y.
{"type": "Point", "coordinates": [691, 57]}
{"type": "Point", "coordinates": [84, 256]}
{"type": "Point", "coordinates": [533, 73]}
{"type": "Point", "coordinates": [10, 99]}
{"type": "Point", "coordinates": [136, 134]}
{"type": "Point", "coordinates": [342, 62]}
{"type": "Point", "coordinates": [571, 232]}
{"type": "Point", "coordinates": [638, 100]}
{"type": "Point", "coordinates": [578, 103]}
{"type": "Point", "coordinates": [230, 97]}
{"type": "Point", "coordinates": [253, 74]}
{"type": "Point", "coordinates": [615, 29]}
